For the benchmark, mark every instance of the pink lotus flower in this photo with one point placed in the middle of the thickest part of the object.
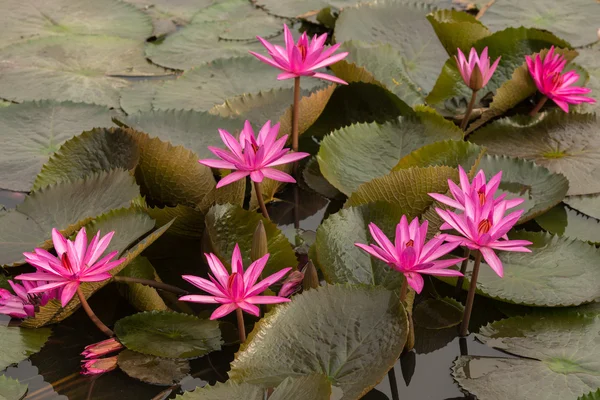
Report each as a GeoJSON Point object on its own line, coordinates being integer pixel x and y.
{"type": "Point", "coordinates": [102, 348]}
{"type": "Point", "coordinates": [238, 290]}
{"type": "Point", "coordinates": [476, 71]}
{"type": "Point", "coordinates": [76, 262]}
{"type": "Point", "coordinates": [552, 83]}
{"type": "Point", "coordinates": [22, 304]}
{"type": "Point", "coordinates": [410, 254]}
{"type": "Point", "coordinates": [98, 366]}
{"type": "Point", "coordinates": [253, 156]}
{"type": "Point", "coordinates": [303, 58]}
{"type": "Point", "coordinates": [484, 228]}
{"type": "Point", "coordinates": [292, 284]}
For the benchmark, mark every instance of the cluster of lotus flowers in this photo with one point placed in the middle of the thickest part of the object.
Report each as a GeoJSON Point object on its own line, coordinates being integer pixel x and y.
{"type": "Point", "coordinates": [479, 220]}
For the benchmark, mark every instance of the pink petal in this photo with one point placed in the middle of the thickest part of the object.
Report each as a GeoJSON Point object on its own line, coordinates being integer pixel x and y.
{"type": "Point", "coordinates": [267, 60]}
{"type": "Point", "coordinates": [266, 300]}
{"type": "Point", "coordinates": [99, 277]}
{"type": "Point", "coordinates": [223, 310]}
{"type": "Point", "coordinates": [218, 269]}
{"type": "Point", "coordinates": [249, 308]}
{"type": "Point", "coordinates": [232, 177]}
{"type": "Point", "coordinates": [265, 283]}
{"type": "Point", "coordinates": [277, 175]}
{"type": "Point", "coordinates": [254, 270]}
{"type": "Point", "coordinates": [329, 61]}
{"type": "Point", "coordinates": [383, 241]}
{"type": "Point", "coordinates": [68, 292]}
{"type": "Point", "coordinates": [415, 281]}
{"type": "Point", "coordinates": [195, 298]}
{"type": "Point", "coordinates": [286, 75]}
{"type": "Point", "coordinates": [288, 158]}
{"type": "Point", "coordinates": [236, 260]}
{"type": "Point", "coordinates": [446, 200]}
{"type": "Point", "coordinates": [257, 176]}
{"type": "Point", "coordinates": [330, 78]}
{"type": "Point", "coordinates": [371, 250]}
{"type": "Point", "coordinates": [217, 163]}
{"type": "Point", "coordinates": [492, 260]}
{"type": "Point", "coordinates": [204, 284]}
{"type": "Point", "coordinates": [60, 243]}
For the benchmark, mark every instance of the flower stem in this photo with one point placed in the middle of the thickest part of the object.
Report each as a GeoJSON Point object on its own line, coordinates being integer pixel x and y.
{"type": "Point", "coordinates": [464, 327]}
{"type": "Point", "coordinates": [261, 201]}
{"type": "Point", "coordinates": [393, 384]}
{"type": "Point", "coordinates": [403, 290]}
{"type": "Point", "coordinates": [295, 112]}
{"type": "Point", "coordinates": [151, 283]}
{"type": "Point", "coordinates": [241, 327]}
{"type": "Point", "coordinates": [463, 269]}
{"type": "Point", "coordinates": [88, 310]}
{"type": "Point", "coordinates": [465, 121]}
{"type": "Point", "coordinates": [538, 106]}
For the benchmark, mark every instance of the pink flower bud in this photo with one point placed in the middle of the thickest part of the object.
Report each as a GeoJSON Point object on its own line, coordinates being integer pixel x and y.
{"type": "Point", "coordinates": [102, 348]}
{"type": "Point", "coordinates": [98, 366]}
{"type": "Point", "coordinates": [292, 284]}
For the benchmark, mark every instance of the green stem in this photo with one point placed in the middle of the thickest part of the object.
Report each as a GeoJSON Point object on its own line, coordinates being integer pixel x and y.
{"type": "Point", "coordinates": [88, 310]}
{"type": "Point", "coordinates": [295, 112]}
{"type": "Point", "coordinates": [464, 328]}
{"type": "Point", "coordinates": [151, 283]}
{"type": "Point", "coordinates": [241, 327]}
{"type": "Point", "coordinates": [465, 121]}
{"type": "Point", "coordinates": [403, 290]}
{"type": "Point", "coordinates": [261, 201]}
{"type": "Point", "coordinates": [538, 106]}
{"type": "Point", "coordinates": [463, 269]}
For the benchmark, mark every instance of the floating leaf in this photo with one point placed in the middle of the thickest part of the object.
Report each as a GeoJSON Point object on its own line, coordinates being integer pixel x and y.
{"type": "Point", "coordinates": [568, 144]}
{"type": "Point", "coordinates": [66, 206]}
{"type": "Point", "coordinates": [589, 58]}
{"type": "Point", "coordinates": [167, 15]}
{"type": "Point", "coordinates": [457, 29]}
{"type": "Point", "coordinates": [33, 131]}
{"type": "Point", "coordinates": [72, 68]}
{"type": "Point", "coordinates": [315, 180]}
{"type": "Point", "coordinates": [169, 334]}
{"type": "Point", "coordinates": [309, 109]}
{"type": "Point", "coordinates": [25, 20]}
{"type": "Point", "coordinates": [311, 387]}
{"type": "Point", "coordinates": [138, 96]}
{"type": "Point", "coordinates": [11, 389]}
{"type": "Point", "coordinates": [295, 339]}
{"type": "Point", "coordinates": [561, 359]}
{"type": "Point", "coordinates": [449, 152]}
{"type": "Point", "coordinates": [142, 297]}
{"type": "Point", "coordinates": [575, 21]}
{"type": "Point", "coordinates": [559, 272]}
{"type": "Point", "coordinates": [227, 390]}
{"type": "Point", "coordinates": [152, 369]}
{"type": "Point", "coordinates": [17, 344]}
{"type": "Point", "coordinates": [341, 261]}
{"type": "Point", "coordinates": [590, 396]}
{"type": "Point", "coordinates": [227, 225]}
{"type": "Point", "coordinates": [587, 204]}
{"type": "Point", "coordinates": [567, 222]}
{"type": "Point", "coordinates": [438, 313]}
{"type": "Point", "coordinates": [351, 156]}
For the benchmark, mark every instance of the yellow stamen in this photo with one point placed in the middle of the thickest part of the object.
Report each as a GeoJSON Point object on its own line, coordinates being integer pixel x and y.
{"type": "Point", "coordinates": [484, 226]}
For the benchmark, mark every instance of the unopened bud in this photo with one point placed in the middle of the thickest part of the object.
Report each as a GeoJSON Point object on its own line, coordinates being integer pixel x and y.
{"type": "Point", "coordinates": [311, 278]}
{"type": "Point", "coordinates": [292, 284]}
{"type": "Point", "coordinates": [476, 81]}
{"type": "Point", "coordinates": [259, 242]}
{"type": "Point", "coordinates": [102, 348]}
{"type": "Point", "coordinates": [98, 366]}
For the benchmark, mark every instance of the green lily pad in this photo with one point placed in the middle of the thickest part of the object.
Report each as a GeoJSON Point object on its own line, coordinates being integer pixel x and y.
{"type": "Point", "coordinates": [457, 30]}
{"type": "Point", "coordinates": [559, 272]}
{"type": "Point", "coordinates": [168, 15]}
{"type": "Point", "coordinates": [227, 225]}
{"type": "Point", "coordinates": [138, 96]}
{"type": "Point", "coordinates": [152, 369]}
{"type": "Point", "coordinates": [295, 339]}
{"type": "Point", "coordinates": [341, 261]}
{"type": "Point", "coordinates": [449, 152]}
{"type": "Point", "coordinates": [315, 180]}
{"type": "Point", "coordinates": [402, 25]}
{"type": "Point", "coordinates": [575, 21]}
{"type": "Point", "coordinates": [17, 344]}
{"type": "Point", "coordinates": [310, 387]}
{"type": "Point", "coordinates": [561, 359]}
{"type": "Point", "coordinates": [11, 389]}
{"type": "Point", "coordinates": [590, 396]}
{"type": "Point", "coordinates": [303, 9]}
{"type": "Point", "coordinates": [31, 19]}
{"type": "Point", "coordinates": [66, 206]}
{"type": "Point", "coordinates": [586, 204]}
{"type": "Point", "coordinates": [540, 188]}
{"type": "Point", "coordinates": [589, 58]}
{"type": "Point", "coordinates": [351, 156]}
{"type": "Point", "coordinates": [142, 297]}
{"type": "Point", "coordinates": [567, 222]}
{"type": "Point", "coordinates": [72, 68]}
{"type": "Point", "coordinates": [224, 29]}
{"type": "Point", "coordinates": [568, 144]}
{"type": "Point", "coordinates": [33, 131]}
{"type": "Point", "coordinates": [227, 390]}
{"type": "Point", "coordinates": [169, 334]}
{"type": "Point", "coordinates": [438, 313]}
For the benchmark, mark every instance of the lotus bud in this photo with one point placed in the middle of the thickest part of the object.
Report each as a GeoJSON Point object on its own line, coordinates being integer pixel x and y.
{"type": "Point", "coordinates": [98, 366]}
{"type": "Point", "coordinates": [476, 81]}
{"type": "Point", "coordinates": [311, 278]}
{"type": "Point", "coordinates": [259, 242]}
{"type": "Point", "coordinates": [102, 348]}
{"type": "Point", "coordinates": [292, 284]}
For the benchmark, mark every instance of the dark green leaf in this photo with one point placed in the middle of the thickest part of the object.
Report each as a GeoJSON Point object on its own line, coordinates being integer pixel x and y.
{"type": "Point", "coordinates": [152, 369]}
{"type": "Point", "coordinates": [449, 152]}
{"type": "Point", "coordinates": [456, 29]}
{"type": "Point", "coordinates": [142, 297]}
{"type": "Point", "coordinates": [17, 344]}
{"type": "Point", "coordinates": [11, 389]}
{"type": "Point", "coordinates": [438, 313]}
{"type": "Point", "coordinates": [565, 221]}
{"type": "Point", "coordinates": [228, 390]}
{"type": "Point", "coordinates": [310, 387]}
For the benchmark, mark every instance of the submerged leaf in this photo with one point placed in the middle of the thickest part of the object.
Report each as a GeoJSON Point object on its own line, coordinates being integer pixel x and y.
{"type": "Point", "coordinates": [152, 369]}
{"type": "Point", "coordinates": [17, 344]}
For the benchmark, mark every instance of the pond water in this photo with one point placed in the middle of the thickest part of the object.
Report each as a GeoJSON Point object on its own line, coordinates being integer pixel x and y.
{"type": "Point", "coordinates": [53, 373]}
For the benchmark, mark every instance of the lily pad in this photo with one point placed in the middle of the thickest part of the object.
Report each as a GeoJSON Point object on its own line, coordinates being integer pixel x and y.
{"type": "Point", "coordinates": [315, 180]}
{"type": "Point", "coordinates": [87, 69]}
{"type": "Point", "coordinates": [351, 156]}
{"type": "Point", "coordinates": [33, 131]}
{"type": "Point", "coordinates": [561, 359]}
{"type": "Point", "coordinates": [567, 222]}
{"type": "Point", "coordinates": [227, 225]}
{"type": "Point", "coordinates": [311, 387]}
{"type": "Point", "coordinates": [152, 369]}
{"type": "Point", "coordinates": [66, 206]}
{"type": "Point", "coordinates": [303, 9]}
{"type": "Point", "coordinates": [168, 15]}
{"type": "Point", "coordinates": [11, 389]}
{"type": "Point", "coordinates": [17, 344]}
{"type": "Point", "coordinates": [589, 58]}
{"type": "Point", "coordinates": [169, 334]}
{"type": "Point", "coordinates": [568, 144]}
{"type": "Point", "coordinates": [457, 30]}
{"type": "Point", "coordinates": [33, 19]}
{"type": "Point", "coordinates": [559, 272]}
{"type": "Point", "coordinates": [295, 339]}
{"type": "Point", "coordinates": [586, 204]}
{"type": "Point", "coordinates": [142, 297]}
{"type": "Point", "coordinates": [438, 313]}
{"type": "Point", "coordinates": [341, 261]}
{"type": "Point", "coordinates": [449, 152]}
{"type": "Point", "coordinates": [575, 21]}
{"type": "Point", "coordinates": [402, 25]}
{"type": "Point", "coordinates": [590, 396]}
{"type": "Point", "coordinates": [227, 390]}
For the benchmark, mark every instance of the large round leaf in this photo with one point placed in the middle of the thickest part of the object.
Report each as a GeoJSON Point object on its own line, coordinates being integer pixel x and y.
{"type": "Point", "coordinates": [587, 204]}
{"type": "Point", "coordinates": [351, 156]}
{"type": "Point", "coordinates": [17, 344]}
{"type": "Point", "coordinates": [207, 85]}
{"type": "Point", "coordinates": [168, 15]}
{"type": "Point", "coordinates": [152, 369]}
{"type": "Point", "coordinates": [568, 144]}
{"type": "Point", "coordinates": [589, 58]}
{"type": "Point", "coordinates": [457, 30]}
{"type": "Point", "coordinates": [449, 152]}
{"type": "Point", "coordinates": [32, 19]}
{"type": "Point", "coordinates": [11, 389]}
{"type": "Point", "coordinates": [591, 396]}
{"type": "Point", "coordinates": [86, 69]}
{"type": "Point", "coordinates": [575, 21]}
{"type": "Point", "coordinates": [227, 390]}
{"type": "Point", "coordinates": [559, 272]}
{"type": "Point", "coordinates": [311, 335]}
{"type": "Point", "coordinates": [405, 27]}
{"type": "Point", "coordinates": [142, 297]}
{"type": "Point", "coordinates": [66, 206]}
{"type": "Point", "coordinates": [227, 225]}
{"type": "Point", "coordinates": [31, 132]}
{"type": "Point", "coordinates": [565, 221]}
{"type": "Point", "coordinates": [311, 387]}
{"type": "Point", "coordinates": [169, 334]}
{"type": "Point", "coordinates": [561, 359]}
{"type": "Point", "coordinates": [341, 261]}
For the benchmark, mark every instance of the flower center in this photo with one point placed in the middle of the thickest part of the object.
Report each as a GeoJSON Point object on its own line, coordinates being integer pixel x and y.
{"type": "Point", "coordinates": [303, 50]}
{"type": "Point", "coordinates": [481, 194]}
{"type": "Point", "coordinates": [557, 80]}
{"type": "Point", "coordinates": [484, 226]}
{"type": "Point", "coordinates": [66, 262]}
{"type": "Point", "coordinates": [410, 243]}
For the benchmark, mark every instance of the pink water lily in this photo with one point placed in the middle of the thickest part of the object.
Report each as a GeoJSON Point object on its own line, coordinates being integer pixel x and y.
{"type": "Point", "coordinates": [22, 304]}
{"type": "Point", "coordinates": [102, 348]}
{"type": "Point", "coordinates": [253, 156]}
{"type": "Point", "coordinates": [411, 254]}
{"type": "Point", "coordinates": [476, 71]}
{"type": "Point", "coordinates": [239, 290]}
{"type": "Point", "coordinates": [552, 83]}
{"type": "Point", "coordinates": [302, 58]}
{"type": "Point", "coordinates": [75, 262]}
